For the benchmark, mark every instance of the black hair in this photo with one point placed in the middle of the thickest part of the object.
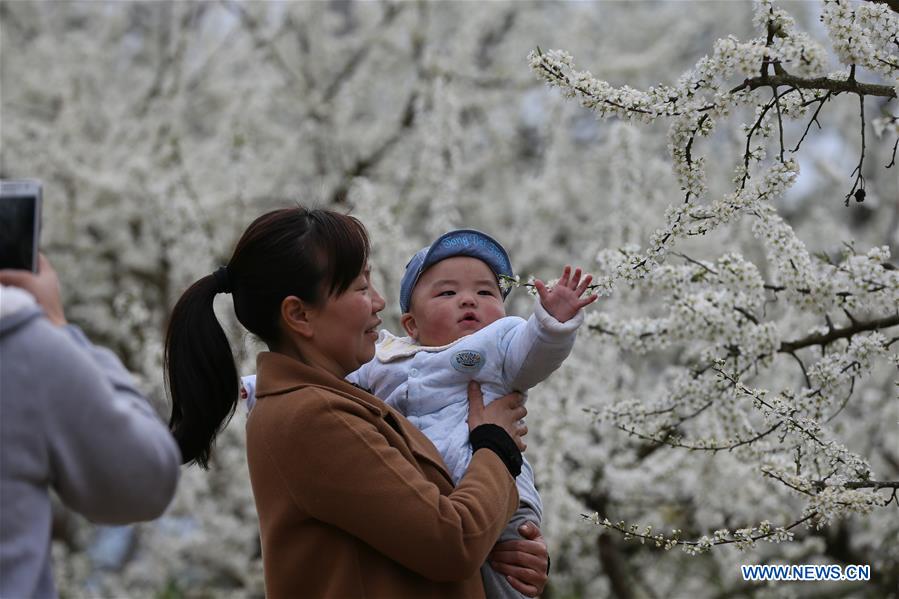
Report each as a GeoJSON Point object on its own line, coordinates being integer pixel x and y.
{"type": "Point", "coordinates": [308, 253]}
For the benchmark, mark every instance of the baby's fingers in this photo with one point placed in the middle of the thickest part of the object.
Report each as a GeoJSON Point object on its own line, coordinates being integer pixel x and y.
{"type": "Point", "coordinates": [540, 286]}
{"type": "Point", "coordinates": [575, 279]}
{"type": "Point", "coordinates": [579, 291]}
{"type": "Point", "coordinates": [586, 301]}
{"type": "Point", "coordinates": [566, 273]}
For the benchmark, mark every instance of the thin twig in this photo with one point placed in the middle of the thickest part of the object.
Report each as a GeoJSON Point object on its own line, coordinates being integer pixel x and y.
{"type": "Point", "coordinates": [747, 154]}
{"type": "Point", "coordinates": [696, 262]}
{"type": "Point", "coordinates": [893, 159]}
{"type": "Point", "coordinates": [780, 124]}
{"type": "Point", "coordinates": [733, 443]}
{"type": "Point", "coordinates": [859, 177]}
{"type": "Point", "coordinates": [845, 401]}
{"type": "Point", "coordinates": [814, 119]}
{"type": "Point", "coordinates": [808, 382]}
{"type": "Point", "coordinates": [747, 314]}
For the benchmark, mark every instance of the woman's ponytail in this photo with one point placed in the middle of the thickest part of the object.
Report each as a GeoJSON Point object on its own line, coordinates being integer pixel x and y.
{"type": "Point", "coordinates": [200, 370]}
{"type": "Point", "coordinates": [309, 254]}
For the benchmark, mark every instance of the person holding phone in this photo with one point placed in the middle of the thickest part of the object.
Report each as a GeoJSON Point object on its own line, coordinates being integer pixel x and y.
{"type": "Point", "coordinates": [72, 419]}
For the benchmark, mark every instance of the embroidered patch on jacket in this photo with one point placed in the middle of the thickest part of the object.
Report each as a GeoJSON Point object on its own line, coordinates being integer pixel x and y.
{"type": "Point", "coordinates": [468, 360]}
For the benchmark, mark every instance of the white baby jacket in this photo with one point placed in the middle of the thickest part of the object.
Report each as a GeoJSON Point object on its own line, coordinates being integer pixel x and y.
{"type": "Point", "coordinates": [429, 385]}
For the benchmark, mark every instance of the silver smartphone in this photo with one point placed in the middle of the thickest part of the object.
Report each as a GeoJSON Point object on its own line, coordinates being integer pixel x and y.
{"type": "Point", "coordinates": [20, 223]}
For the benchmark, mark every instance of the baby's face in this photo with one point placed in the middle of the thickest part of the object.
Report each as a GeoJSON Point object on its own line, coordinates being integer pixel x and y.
{"type": "Point", "coordinates": [453, 298]}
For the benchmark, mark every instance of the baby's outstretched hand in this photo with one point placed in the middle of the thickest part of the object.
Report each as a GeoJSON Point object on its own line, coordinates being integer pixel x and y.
{"type": "Point", "coordinates": [564, 300]}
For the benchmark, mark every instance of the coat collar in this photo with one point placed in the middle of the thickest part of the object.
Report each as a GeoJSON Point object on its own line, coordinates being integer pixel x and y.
{"type": "Point", "coordinates": [278, 374]}
{"type": "Point", "coordinates": [390, 347]}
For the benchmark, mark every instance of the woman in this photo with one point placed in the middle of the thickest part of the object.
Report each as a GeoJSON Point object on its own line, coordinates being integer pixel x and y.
{"type": "Point", "coordinates": [352, 499]}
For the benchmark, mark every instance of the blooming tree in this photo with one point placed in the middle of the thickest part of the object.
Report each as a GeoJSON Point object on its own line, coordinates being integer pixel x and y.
{"type": "Point", "coordinates": [737, 380]}
{"type": "Point", "coordinates": [732, 319]}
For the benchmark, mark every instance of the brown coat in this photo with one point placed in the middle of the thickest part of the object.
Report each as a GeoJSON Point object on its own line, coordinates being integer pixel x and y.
{"type": "Point", "coordinates": [354, 501]}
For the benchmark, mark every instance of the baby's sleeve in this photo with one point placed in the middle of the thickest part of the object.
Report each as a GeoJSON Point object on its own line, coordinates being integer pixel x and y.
{"type": "Point", "coordinates": [534, 349]}
{"type": "Point", "coordinates": [248, 390]}
{"type": "Point", "coordinates": [360, 377]}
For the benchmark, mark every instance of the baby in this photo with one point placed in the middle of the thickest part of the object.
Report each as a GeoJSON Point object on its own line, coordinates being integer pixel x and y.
{"type": "Point", "coordinates": [458, 331]}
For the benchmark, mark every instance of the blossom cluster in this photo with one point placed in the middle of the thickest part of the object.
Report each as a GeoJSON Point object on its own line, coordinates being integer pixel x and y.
{"type": "Point", "coordinates": [556, 67]}
{"type": "Point", "coordinates": [863, 34]}
{"type": "Point", "coordinates": [834, 372]}
{"type": "Point", "coordinates": [701, 98]}
{"type": "Point", "coordinates": [825, 501]}
{"type": "Point", "coordinates": [743, 538]}
{"type": "Point", "coordinates": [859, 282]}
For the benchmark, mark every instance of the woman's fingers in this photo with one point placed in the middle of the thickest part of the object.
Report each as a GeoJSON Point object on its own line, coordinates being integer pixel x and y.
{"type": "Point", "coordinates": [515, 577]}
{"type": "Point", "coordinates": [522, 565]}
{"type": "Point", "coordinates": [526, 580]}
{"type": "Point", "coordinates": [524, 552]}
{"type": "Point", "coordinates": [516, 414]}
{"type": "Point", "coordinates": [505, 412]}
{"type": "Point", "coordinates": [519, 555]}
{"type": "Point", "coordinates": [524, 561]}
{"type": "Point", "coordinates": [475, 405]}
{"type": "Point", "coordinates": [525, 589]}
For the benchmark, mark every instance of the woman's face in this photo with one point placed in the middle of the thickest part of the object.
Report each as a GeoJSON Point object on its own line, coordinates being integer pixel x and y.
{"type": "Point", "coordinates": [345, 327]}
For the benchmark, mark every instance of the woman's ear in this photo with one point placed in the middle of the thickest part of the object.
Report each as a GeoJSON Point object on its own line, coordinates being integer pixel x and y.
{"type": "Point", "coordinates": [297, 316]}
{"type": "Point", "coordinates": [409, 324]}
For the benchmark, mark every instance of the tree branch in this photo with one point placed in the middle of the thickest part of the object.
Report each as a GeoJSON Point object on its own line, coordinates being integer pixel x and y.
{"type": "Point", "coordinates": [836, 86]}
{"type": "Point", "coordinates": [636, 535]}
{"type": "Point", "coordinates": [833, 335]}
{"type": "Point", "coordinates": [363, 164]}
{"type": "Point", "coordinates": [864, 484]}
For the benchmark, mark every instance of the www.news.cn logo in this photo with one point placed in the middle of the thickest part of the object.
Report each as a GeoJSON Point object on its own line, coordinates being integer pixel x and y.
{"type": "Point", "coordinates": [805, 572]}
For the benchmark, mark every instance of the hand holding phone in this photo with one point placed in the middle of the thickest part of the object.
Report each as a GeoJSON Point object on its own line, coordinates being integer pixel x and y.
{"type": "Point", "coordinates": [44, 286]}
{"type": "Point", "coordinates": [20, 224]}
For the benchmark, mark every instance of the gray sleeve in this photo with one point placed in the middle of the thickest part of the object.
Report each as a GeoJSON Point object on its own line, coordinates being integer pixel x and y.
{"type": "Point", "coordinates": [111, 457]}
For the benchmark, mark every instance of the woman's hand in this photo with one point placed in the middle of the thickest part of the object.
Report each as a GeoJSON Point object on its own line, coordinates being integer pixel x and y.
{"type": "Point", "coordinates": [506, 412]}
{"type": "Point", "coordinates": [525, 563]}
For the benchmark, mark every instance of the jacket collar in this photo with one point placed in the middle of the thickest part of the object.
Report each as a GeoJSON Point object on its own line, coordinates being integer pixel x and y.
{"type": "Point", "coordinates": [390, 347]}
{"type": "Point", "coordinates": [278, 374]}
